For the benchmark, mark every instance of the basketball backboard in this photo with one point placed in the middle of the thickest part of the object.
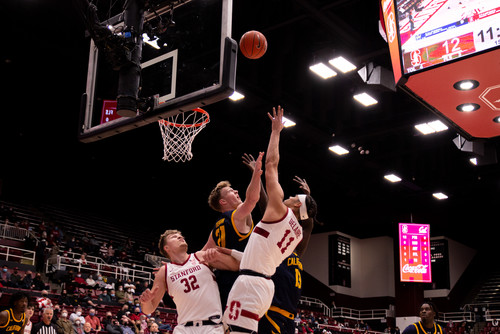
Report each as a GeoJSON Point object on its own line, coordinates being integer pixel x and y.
{"type": "Point", "coordinates": [192, 64]}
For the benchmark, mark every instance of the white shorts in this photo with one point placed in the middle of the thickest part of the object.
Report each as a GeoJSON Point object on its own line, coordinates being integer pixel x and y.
{"type": "Point", "coordinates": [210, 329]}
{"type": "Point", "coordinates": [248, 301]}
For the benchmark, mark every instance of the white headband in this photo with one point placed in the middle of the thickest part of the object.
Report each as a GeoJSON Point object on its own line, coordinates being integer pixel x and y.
{"type": "Point", "coordinates": [303, 207]}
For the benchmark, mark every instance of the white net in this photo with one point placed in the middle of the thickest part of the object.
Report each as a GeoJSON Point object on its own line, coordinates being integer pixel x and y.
{"type": "Point", "coordinates": [179, 131]}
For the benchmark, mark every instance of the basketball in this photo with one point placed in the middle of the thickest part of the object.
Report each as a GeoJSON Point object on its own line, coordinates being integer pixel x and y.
{"type": "Point", "coordinates": [253, 44]}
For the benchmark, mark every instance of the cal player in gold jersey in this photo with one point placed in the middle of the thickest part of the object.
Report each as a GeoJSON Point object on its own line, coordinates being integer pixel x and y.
{"type": "Point", "coordinates": [235, 224]}
{"type": "Point", "coordinates": [13, 319]}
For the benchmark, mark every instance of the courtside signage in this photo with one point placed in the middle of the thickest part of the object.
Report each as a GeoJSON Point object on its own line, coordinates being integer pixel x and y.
{"type": "Point", "coordinates": [414, 253]}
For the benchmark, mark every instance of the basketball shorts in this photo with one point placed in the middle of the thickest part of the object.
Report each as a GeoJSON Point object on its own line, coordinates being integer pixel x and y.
{"type": "Point", "coordinates": [273, 322]}
{"type": "Point", "coordinates": [248, 300]}
{"type": "Point", "coordinates": [208, 329]}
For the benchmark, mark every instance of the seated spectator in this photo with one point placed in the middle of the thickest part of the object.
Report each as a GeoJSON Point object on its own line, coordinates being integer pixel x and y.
{"type": "Point", "coordinates": [5, 276]}
{"type": "Point", "coordinates": [38, 283]}
{"type": "Point", "coordinates": [67, 279]}
{"type": "Point", "coordinates": [77, 326]}
{"type": "Point", "coordinates": [129, 285]}
{"type": "Point", "coordinates": [120, 295]}
{"type": "Point", "coordinates": [72, 244]}
{"type": "Point", "coordinates": [136, 314]}
{"type": "Point", "coordinates": [103, 251]}
{"type": "Point", "coordinates": [44, 301]}
{"type": "Point", "coordinates": [86, 300]}
{"type": "Point", "coordinates": [87, 329]}
{"type": "Point", "coordinates": [104, 297]}
{"type": "Point", "coordinates": [142, 324]}
{"type": "Point", "coordinates": [64, 299]}
{"type": "Point", "coordinates": [79, 281]}
{"type": "Point", "coordinates": [111, 255]}
{"type": "Point", "coordinates": [93, 320]}
{"type": "Point", "coordinates": [159, 321]}
{"type": "Point", "coordinates": [112, 295]}
{"type": "Point", "coordinates": [99, 282]}
{"type": "Point", "coordinates": [123, 311]}
{"type": "Point", "coordinates": [153, 328]}
{"type": "Point", "coordinates": [27, 280]}
{"type": "Point", "coordinates": [113, 326]}
{"type": "Point", "coordinates": [139, 287]}
{"type": "Point", "coordinates": [45, 326]}
{"type": "Point", "coordinates": [90, 281]}
{"type": "Point", "coordinates": [129, 295]}
{"type": "Point", "coordinates": [15, 278]}
{"type": "Point", "coordinates": [128, 326]}
{"type": "Point", "coordinates": [64, 324]}
{"type": "Point", "coordinates": [30, 310]}
{"type": "Point", "coordinates": [77, 315]}
{"type": "Point", "coordinates": [82, 260]}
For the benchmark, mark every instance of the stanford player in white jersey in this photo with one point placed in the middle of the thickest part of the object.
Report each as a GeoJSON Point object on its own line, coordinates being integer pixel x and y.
{"type": "Point", "coordinates": [273, 239]}
{"type": "Point", "coordinates": [191, 283]}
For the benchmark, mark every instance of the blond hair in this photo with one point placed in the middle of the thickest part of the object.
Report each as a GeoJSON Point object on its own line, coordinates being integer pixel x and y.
{"type": "Point", "coordinates": [163, 241]}
{"type": "Point", "coordinates": [215, 194]}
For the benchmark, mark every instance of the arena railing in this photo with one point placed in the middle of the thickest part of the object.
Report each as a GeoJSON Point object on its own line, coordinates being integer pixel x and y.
{"type": "Point", "coordinates": [14, 254]}
{"type": "Point", "coordinates": [343, 329]}
{"type": "Point", "coordinates": [8, 231]}
{"type": "Point", "coordinates": [155, 260]}
{"type": "Point", "coordinates": [314, 302]}
{"type": "Point", "coordinates": [98, 266]}
{"type": "Point", "coordinates": [349, 313]}
{"type": "Point", "coordinates": [457, 317]}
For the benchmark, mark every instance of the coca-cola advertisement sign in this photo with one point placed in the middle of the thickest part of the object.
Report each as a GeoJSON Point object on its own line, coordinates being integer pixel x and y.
{"type": "Point", "coordinates": [415, 253]}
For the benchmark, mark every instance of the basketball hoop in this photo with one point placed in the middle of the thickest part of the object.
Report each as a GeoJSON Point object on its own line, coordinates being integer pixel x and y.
{"type": "Point", "coordinates": [179, 131]}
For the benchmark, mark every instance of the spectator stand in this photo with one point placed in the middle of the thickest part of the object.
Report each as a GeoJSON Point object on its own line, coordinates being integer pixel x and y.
{"type": "Point", "coordinates": [308, 303]}
{"type": "Point", "coordinates": [155, 260]}
{"type": "Point", "coordinates": [13, 232]}
{"type": "Point", "coordinates": [95, 265]}
{"type": "Point", "coordinates": [17, 255]}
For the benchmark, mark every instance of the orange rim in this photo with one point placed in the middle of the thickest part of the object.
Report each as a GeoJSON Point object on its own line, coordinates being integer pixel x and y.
{"type": "Point", "coordinates": [179, 125]}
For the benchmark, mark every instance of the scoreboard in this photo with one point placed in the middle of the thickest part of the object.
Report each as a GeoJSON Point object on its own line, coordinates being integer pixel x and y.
{"type": "Point", "coordinates": [443, 30]}
{"type": "Point", "coordinates": [438, 47]}
{"type": "Point", "coordinates": [414, 253]}
{"type": "Point", "coordinates": [339, 250]}
{"type": "Point", "coordinates": [432, 32]}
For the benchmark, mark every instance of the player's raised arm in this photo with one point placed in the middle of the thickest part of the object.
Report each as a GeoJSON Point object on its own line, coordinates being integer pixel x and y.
{"type": "Point", "coordinates": [253, 191]}
{"type": "Point", "coordinates": [275, 208]}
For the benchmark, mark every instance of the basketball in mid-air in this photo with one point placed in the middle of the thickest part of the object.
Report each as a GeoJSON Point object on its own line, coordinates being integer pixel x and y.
{"type": "Point", "coordinates": [253, 44]}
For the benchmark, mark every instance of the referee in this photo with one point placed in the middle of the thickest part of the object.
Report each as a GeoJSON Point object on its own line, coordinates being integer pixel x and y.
{"type": "Point", "coordinates": [45, 326]}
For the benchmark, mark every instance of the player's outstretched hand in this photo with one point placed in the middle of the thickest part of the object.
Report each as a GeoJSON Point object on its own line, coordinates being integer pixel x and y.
{"type": "Point", "coordinates": [249, 161]}
{"type": "Point", "coordinates": [276, 119]}
{"type": "Point", "coordinates": [148, 295]}
{"type": "Point", "coordinates": [302, 185]}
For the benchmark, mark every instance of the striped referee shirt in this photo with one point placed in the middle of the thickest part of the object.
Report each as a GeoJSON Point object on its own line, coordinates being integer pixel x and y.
{"type": "Point", "coordinates": [42, 328]}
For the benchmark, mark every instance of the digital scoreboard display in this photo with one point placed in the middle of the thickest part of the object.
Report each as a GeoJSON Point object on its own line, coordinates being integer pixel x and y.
{"type": "Point", "coordinates": [433, 32]}
{"type": "Point", "coordinates": [414, 253]}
